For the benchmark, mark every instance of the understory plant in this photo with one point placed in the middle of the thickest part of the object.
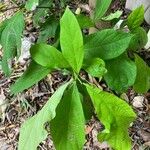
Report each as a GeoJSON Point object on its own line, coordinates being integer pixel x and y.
{"type": "Point", "coordinates": [108, 54]}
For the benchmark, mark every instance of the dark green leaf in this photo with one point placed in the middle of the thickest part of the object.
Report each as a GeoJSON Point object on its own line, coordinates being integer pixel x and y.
{"type": "Point", "coordinates": [48, 56]}
{"type": "Point", "coordinates": [139, 39]}
{"type": "Point", "coordinates": [96, 67]}
{"type": "Point", "coordinates": [31, 76]}
{"type": "Point", "coordinates": [48, 30]}
{"type": "Point", "coordinates": [136, 18]}
{"type": "Point", "coordinates": [84, 21]}
{"type": "Point", "coordinates": [101, 8]}
{"type": "Point", "coordinates": [71, 40]}
{"type": "Point", "coordinates": [41, 12]}
{"type": "Point", "coordinates": [33, 131]}
{"type": "Point", "coordinates": [11, 40]}
{"type": "Point", "coordinates": [142, 82]}
{"type": "Point", "coordinates": [106, 44]}
{"type": "Point", "coordinates": [121, 73]}
{"type": "Point", "coordinates": [116, 115]}
{"type": "Point", "coordinates": [69, 122]}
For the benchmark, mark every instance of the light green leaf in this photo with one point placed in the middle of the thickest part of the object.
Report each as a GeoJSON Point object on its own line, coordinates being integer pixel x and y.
{"type": "Point", "coordinates": [116, 115]}
{"type": "Point", "coordinates": [31, 4]}
{"type": "Point", "coordinates": [31, 76]}
{"type": "Point", "coordinates": [101, 8]}
{"type": "Point", "coordinates": [121, 73]}
{"type": "Point", "coordinates": [48, 30]}
{"type": "Point", "coordinates": [48, 56]}
{"type": "Point", "coordinates": [136, 18]}
{"type": "Point", "coordinates": [96, 67]}
{"type": "Point", "coordinates": [142, 82]}
{"type": "Point", "coordinates": [112, 16]}
{"type": "Point", "coordinates": [84, 21]}
{"type": "Point", "coordinates": [33, 131]}
{"type": "Point", "coordinates": [11, 40]}
{"type": "Point", "coordinates": [139, 39]}
{"type": "Point", "coordinates": [106, 44]}
{"type": "Point", "coordinates": [71, 40]}
{"type": "Point", "coordinates": [67, 128]}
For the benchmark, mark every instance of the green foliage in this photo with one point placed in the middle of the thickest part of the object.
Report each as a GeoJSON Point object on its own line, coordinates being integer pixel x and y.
{"type": "Point", "coordinates": [96, 67]}
{"type": "Point", "coordinates": [31, 4]}
{"type": "Point", "coordinates": [139, 39]}
{"type": "Point", "coordinates": [101, 8]}
{"type": "Point", "coordinates": [72, 127]}
{"type": "Point", "coordinates": [11, 40]}
{"type": "Point", "coordinates": [121, 73]}
{"type": "Point", "coordinates": [31, 76]}
{"type": "Point", "coordinates": [116, 116]}
{"type": "Point", "coordinates": [136, 18]}
{"type": "Point", "coordinates": [48, 56]}
{"type": "Point", "coordinates": [112, 16]}
{"type": "Point", "coordinates": [84, 21]}
{"type": "Point", "coordinates": [106, 44]}
{"type": "Point", "coordinates": [142, 82]}
{"type": "Point", "coordinates": [33, 130]}
{"type": "Point", "coordinates": [71, 40]}
{"type": "Point", "coordinates": [102, 55]}
{"type": "Point", "coordinates": [48, 30]}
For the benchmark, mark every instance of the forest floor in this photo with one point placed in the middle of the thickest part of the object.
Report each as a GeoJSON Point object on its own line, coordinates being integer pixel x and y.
{"type": "Point", "coordinates": [14, 110]}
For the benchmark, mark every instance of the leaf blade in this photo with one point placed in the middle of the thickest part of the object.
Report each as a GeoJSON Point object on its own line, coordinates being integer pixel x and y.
{"type": "Point", "coordinates": [71, 40]}
{"type": "Point", "coordinates": [30, 139]}
{"type": "Point", "coordinates": [72, 128]}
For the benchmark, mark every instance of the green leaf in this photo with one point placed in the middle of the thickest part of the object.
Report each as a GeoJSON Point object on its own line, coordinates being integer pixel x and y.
{"type": "Point", "coordinates": [112, 16]}
{"type": "Point", "coordinates": [69, 122]}
{"type": "Point", "coordinates": [31, 76]}
{"type": "Point", "coordinates": [11, 40]}
{"type": "Point", "coordinates": [48, 56]}
{"type": "Point", "coordinates": [31, 4]}
{"type": "Point", "coordinates": [121, 73]}
{"type": "Point", "coordinates": [71, 40]}
{"type": "Point", "coordinates": [142, 82]}
{"type": "Point", "coordinates": [48, 30]}
{"type": "Point", "coordinates": [101, 8]}
{"type": "Point", "coordinates": [33, 131]}
{"type": "Point", "coordinates": [139, 39]}
{"type": "Point", "coordinates": [106, 44]}
{"type": "Point", "coordinates": [84, 21]}
{"type": "Point", "coordinates": [136, 18]}
{"type": "Point", "coordinates": [116, 115]}
{"type": "Point", "coordinates": [96, 67]}
{"type": "Point", "coordinates": [42, 12]}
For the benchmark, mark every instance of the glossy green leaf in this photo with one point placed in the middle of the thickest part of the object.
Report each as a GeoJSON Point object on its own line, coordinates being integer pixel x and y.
{"type": "Point", "coordinates": [142, 82]}
{"type": "Point", "coordinates": [112, 16]}
{"type": "Point", "coordinates": [71, 40]}
{"type": "Point", "coordinates": [106, 44]}
{"type": "Point", "coordinates": [100, 8]}
{"type": "Point", "coordinates": [33, 130]}
{"type": "Point", "coordinates": [48, 56]}
{"type": "Point", "coordinates": [116, 115]}
{"type": "Point", "coordinates": [84, 21]}
{"type": "Point", "coordinates": [136, 18]}
{"type": "Point", "coordinates": [121, 73]}
{"type": "Point", "coordinates": [48, 30]}
{"type": "Point", "coordinates": [31, 76]}
{"type": "Point", "coordinates": [139, 39]}
{"type": "Point", "coordinates": [67, 128]}
{"type": "Point", "coordinates": [31, 4]}
{"type": "Point", "coordinates": [96, 68]}
{"type": "Point", "coordinates": [11, 40]}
